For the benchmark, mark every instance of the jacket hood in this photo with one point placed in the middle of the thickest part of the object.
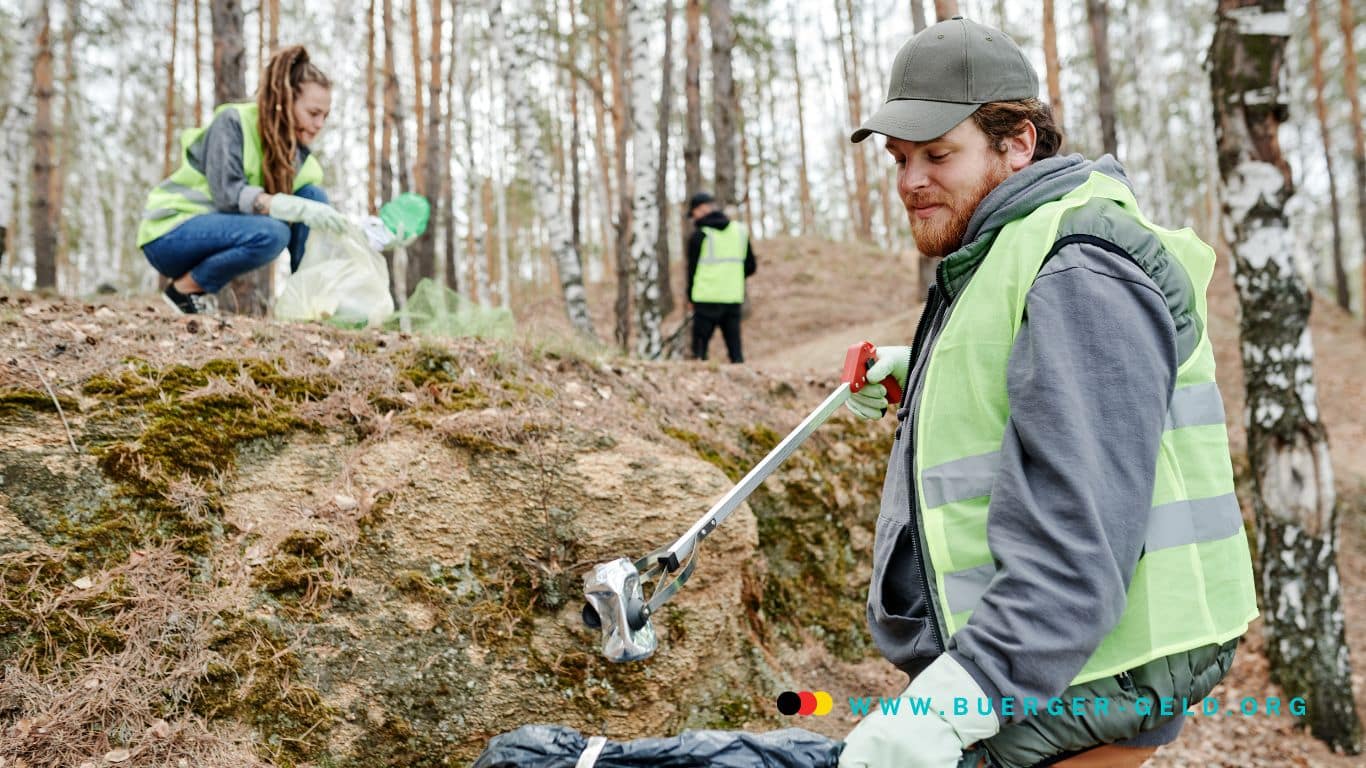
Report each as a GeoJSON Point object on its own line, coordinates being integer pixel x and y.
{"type": "Point", "coordinates": [714, 220]}
{"type": "Point", "coordinates": [1040, 183]}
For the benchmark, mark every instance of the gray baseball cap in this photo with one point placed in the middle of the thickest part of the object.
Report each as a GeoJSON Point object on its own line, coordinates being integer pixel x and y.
{"type": "Point", "coordinates": [944, 74]}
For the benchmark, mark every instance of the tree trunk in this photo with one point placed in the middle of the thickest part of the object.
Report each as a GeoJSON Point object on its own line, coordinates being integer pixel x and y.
{"type": "Point", "coordinates": [945, 9]}
{"type": "Point", "coordinates": [849, 30]}
{"type": "Point", "coordinates": [198, 67]}
{"type": "Point", "coordinates": [389, 122]}
{"type": "Point", "coordinates": [803, 177]}
{"type": "Point", "coordinates": [617, 58]}
{"type": "Point", "coordinates": [644, 204]}
{"type": "Point", "coordinates": [600, 135]}
{"type": "Point", "coordinates": [15, 130]}
{"type": "Point", "coordinates": [692, 76]}
{"type": "Point", "coordinates": [168, 137]}
{"type": "Point", "coordinates": [371, 159]}
{"type": "Point", "coordinates": [273, 28]}
{"type": "Point", "coordinates": [666, 295]}
{"type": "Point", "coordinates": [917, 15]}
{"type": "Point", "coordinates": [723, 99]}
{"type": "Point", "coordinates": [452, 253]}
{"type": "Point", "coordinates": [390, 94]}
{"type": "Point", "coordinates": [422, 254]}
{"type": "Point", "coordinates": [40, 221]}
{"type": "Point", "coordinates": [250, 292]}
{"type": "Point", "coordinates": [575, 138]}
{"type": "Point", "coordinates": [547, 202]}
{"type": "Point", "coordinates": [743, 195]}
{"type": "Point", "coordinates": [419, 137]}
{"type": "Point", "coordinates": [67, 230]}
{"type": "Point", "coordinates": [229, 52]}
{"type": "Point", "coordinates": [1292, 476]}
{"type": "Point", "coordinates": [1358, 139]}
{"type": "Point", "coordinates": [1105, 102]}
{"type": "Point", "coordinates": [1343, 293]}
{"type": "Point", "coordinates": [1050, 57]}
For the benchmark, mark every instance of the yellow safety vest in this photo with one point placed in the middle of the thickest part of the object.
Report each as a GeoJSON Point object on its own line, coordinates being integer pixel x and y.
{"type": "Point", "coordinates": [1193, 585]}
{"type": "Point", "coordinates": [186, 193]}
{"type": "Point", "coordinates": [720, 274]}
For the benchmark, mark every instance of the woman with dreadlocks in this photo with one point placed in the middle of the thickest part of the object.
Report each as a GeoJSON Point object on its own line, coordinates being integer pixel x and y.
{"type": "Point", "coordinates": [246, 188]}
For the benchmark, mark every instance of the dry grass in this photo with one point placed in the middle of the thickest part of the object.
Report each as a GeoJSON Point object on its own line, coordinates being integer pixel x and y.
{"type": "Point", "coordinates": [131, 698]}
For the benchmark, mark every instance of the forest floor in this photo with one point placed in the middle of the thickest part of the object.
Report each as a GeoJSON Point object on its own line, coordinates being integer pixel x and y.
{"type": "Point", "coordinates": [811, 298]}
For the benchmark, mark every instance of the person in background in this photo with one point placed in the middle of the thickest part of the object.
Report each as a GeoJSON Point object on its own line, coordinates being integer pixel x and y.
{"type": "Point", "coordinates": [720, 259]}
{"type": "Point", "coordinates": [246, 189]}
{"type": "Point", "coordinates": [1058, 520]}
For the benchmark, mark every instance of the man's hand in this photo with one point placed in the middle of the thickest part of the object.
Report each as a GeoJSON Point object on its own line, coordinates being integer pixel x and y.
{"type": "Point", "coordinates": [293, 208]}
{"type": "Point", "coordinates": [934, 739]}
{"type": "Point", "coordinates": [871, 401]}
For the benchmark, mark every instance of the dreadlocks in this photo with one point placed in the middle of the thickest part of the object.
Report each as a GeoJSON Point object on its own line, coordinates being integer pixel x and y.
{"type": "Point", "coordinates": [286, 72]}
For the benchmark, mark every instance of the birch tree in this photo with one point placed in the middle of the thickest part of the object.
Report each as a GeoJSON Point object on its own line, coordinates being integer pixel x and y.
{"type": "Point", "coordinates": [1292, 475]}
{"type": "Point", "coordinates": [514, 60]}
{"type": "Point", "coordinates": [14, 118]}
{"type": "Point", "coordinates": [644, 204]}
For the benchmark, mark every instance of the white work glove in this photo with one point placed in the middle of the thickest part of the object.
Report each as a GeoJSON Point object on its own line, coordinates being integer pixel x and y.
{"type": "Point", "coordinates": [871, 401]}
{"type": "Point", "coordinates": [935, 739]}
{"type": "Point", "coordinates": [315, 215]}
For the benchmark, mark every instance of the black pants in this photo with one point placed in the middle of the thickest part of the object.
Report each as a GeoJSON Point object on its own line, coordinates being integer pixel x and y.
{"type": "Point", "coordinates": [705, 318]}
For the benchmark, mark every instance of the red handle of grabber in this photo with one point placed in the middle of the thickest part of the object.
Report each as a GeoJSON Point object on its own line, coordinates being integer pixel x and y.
{"type": "Point", "coordinates": [857, 361]}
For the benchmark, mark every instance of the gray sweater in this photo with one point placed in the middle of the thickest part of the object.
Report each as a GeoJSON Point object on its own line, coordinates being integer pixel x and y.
{"type": "Point", "coordinates": [218, 155]}
{"type": "Point", "coordinates": [1089, 380]}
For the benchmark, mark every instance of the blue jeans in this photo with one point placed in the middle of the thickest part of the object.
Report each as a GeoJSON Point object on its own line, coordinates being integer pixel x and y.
{"type": "Point", "coordinates": [216, 247]}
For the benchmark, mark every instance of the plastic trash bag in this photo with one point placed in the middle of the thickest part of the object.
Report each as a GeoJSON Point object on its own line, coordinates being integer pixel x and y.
{"type": "Point", "coordinates": [340, 280]}
{"type": "Point", "coordinates": [557, 746]}
{"type": "Point", "coordinates": [436, 310]}
{"type": "Point", "coordinates": [406, 216]}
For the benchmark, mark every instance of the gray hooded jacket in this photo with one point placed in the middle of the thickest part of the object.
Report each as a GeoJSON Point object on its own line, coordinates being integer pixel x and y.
{"type": "Point", "coordinates": [1089, 380]}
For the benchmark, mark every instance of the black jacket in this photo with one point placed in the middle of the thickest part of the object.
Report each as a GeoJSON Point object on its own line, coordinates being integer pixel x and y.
{"type": "Point", "coordinates": [714, 220]}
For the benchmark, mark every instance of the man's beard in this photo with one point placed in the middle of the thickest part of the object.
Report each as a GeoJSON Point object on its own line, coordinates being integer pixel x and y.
{"type": "Point", "coordinates": [943, 233]}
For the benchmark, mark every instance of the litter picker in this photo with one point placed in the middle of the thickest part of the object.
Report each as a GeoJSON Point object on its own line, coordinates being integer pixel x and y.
{"type": "Point", "coordinates": [615, 590]}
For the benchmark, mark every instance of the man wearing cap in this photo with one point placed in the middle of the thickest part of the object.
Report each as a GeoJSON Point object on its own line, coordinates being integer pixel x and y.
{"type": "Point", "coordinates": [1060, 564]}
{"type": "Point", "coordinates": [719, 260]}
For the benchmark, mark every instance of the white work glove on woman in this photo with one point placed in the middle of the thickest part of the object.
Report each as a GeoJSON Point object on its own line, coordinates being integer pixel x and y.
{"type": "Point", "coordinates": [871, 401]}
{"type": "Point", "coordinates": [312, 213]}
{"type": "Point", "coordinates": [934, 739]}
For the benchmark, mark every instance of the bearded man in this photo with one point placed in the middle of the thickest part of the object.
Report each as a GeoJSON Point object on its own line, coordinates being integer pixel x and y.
{"type": "Point", "coordinates": [1060, 564]}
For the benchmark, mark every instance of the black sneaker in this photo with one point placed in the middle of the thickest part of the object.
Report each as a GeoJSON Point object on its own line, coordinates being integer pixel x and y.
{"type": "Point", "coordinates": [186, 303]}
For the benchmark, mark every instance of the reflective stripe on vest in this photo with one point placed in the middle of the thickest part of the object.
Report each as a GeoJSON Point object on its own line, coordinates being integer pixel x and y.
{"type": "Point", "coordinates": [720, 274]}
{"type": "Point", "coordinates": [1193, 584]}
{"type": "Point", "coordinates": [186, 193]}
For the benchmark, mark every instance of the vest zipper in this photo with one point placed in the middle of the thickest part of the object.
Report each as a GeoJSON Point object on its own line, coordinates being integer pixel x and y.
{"type": "Point", "coordinates": [928, 319]}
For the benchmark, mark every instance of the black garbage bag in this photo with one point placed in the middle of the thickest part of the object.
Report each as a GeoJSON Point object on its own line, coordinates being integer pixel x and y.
{"type": "Point", "coordinates": [557, 746]}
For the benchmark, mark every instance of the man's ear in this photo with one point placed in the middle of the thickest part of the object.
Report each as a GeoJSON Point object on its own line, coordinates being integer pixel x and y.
{"type": "Point", "coordinates": [1020, 147]}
